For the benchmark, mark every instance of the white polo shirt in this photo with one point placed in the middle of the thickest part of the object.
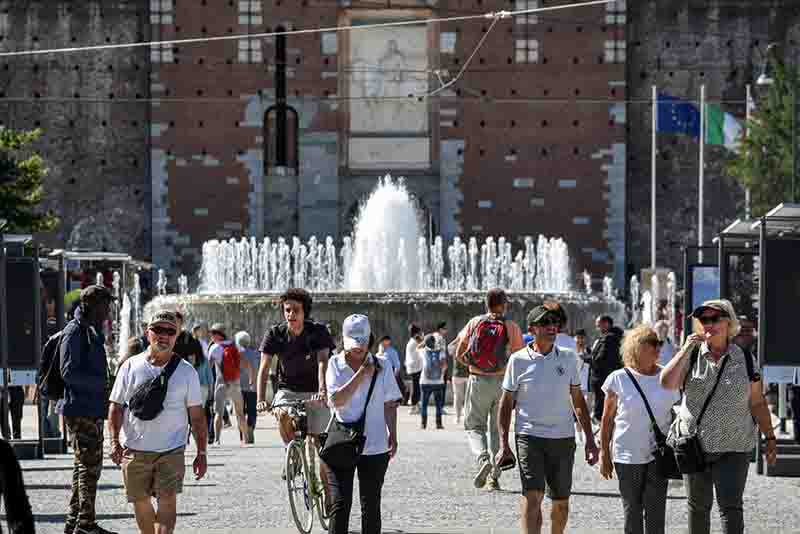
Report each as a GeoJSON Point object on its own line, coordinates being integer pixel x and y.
{"type": "Point", "coordinates": [541, 386]}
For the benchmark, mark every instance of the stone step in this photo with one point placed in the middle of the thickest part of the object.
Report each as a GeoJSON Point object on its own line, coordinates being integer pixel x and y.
{"type": "Point", "coordinates": [26, 449]}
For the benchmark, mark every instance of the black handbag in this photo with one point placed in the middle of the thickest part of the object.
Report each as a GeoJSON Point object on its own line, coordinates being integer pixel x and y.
{"type": "Point", "coordinates": [341, 444]}
{"type": "Point", "coordinates": [689, 452]}
{"type": "Point", "coordinates": [663, 453]}
{"type": "Point", "coordinates": [147, 400]}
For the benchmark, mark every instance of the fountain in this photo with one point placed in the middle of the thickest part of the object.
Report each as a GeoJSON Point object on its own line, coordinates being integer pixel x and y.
{"type": "Point", "coordinates": [388, 269]}
{"type": "Point", "coordinates": [635, 303]}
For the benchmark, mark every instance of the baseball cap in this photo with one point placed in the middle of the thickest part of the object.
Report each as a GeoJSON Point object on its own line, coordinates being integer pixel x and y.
{"type": "Point", "coordinates": [355, 331]}
{"type": "Point", "coordinates": [218, 328]}
{"type": "Point", "coordinates": [716, 305]}
{"type": "Point", "coordinates": [430, 341]}
{"type": "Point", "coordinates": [95, 293]}
{"type": "Point", "coordinates": [542, 311]}
{"type": "Point", "coordinates": [164, 317]}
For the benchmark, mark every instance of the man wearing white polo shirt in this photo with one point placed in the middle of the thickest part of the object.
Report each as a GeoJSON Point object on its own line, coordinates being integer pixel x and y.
{"type": "Point", "coordinates": [542, 384]}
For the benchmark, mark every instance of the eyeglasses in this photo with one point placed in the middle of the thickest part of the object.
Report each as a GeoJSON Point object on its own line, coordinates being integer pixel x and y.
{"type": "Point", "coordinates": [710, 319]}
{"type": "Point", "coordinates": [161, 331]}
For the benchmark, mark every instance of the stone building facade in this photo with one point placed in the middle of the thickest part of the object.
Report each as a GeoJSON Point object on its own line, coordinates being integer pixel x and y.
{"type": "Point", "coordinates": [93, 111]}
{"type": "Point", "coordinates": [679, 46]}
{"type": "Point", "coordinates": [547, 131]}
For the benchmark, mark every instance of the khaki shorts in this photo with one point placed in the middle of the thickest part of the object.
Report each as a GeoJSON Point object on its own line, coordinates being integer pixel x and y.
{"type": "Point", "coordinates": [232, 391]}
{"type": "Point", "coordinates": [318, 415]}
{"type": "Point", "coordinates": [152, 474]}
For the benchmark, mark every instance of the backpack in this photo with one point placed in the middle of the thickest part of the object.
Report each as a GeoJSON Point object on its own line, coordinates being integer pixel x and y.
{"type": "Point", "coordinates": [432, 368]}
{"type": "Point", "coordinates": [49, 382]}
{"type": "Point", "coordinates": [487, 344]}
{"type": "Point", "coordinates": [147, 400]}
{"type": "Point", "coordinates": [231, 360]}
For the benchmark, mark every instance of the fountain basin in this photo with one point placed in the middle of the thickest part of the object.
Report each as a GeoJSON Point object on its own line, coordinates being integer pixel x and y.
{"type": "Point", "coordinates": [389, 312]}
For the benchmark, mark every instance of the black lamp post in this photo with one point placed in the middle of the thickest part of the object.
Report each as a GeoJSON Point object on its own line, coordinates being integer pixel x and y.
{"type": "Point", "coordinates": [767, 79]}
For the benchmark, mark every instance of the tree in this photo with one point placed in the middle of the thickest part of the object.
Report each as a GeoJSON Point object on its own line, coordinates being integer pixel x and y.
{"type": "Point", "coordinates": [21, 174]}
{"type": "Point", "coordinates": [765, 161]}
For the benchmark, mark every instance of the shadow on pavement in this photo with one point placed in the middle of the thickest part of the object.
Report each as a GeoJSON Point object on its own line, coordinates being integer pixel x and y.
{"type": "Point", "coordinates": [60, 518]}
{"type": "Point", "coordinates": [68, 487]}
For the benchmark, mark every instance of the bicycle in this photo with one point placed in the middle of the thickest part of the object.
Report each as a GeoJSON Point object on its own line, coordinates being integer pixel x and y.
{"type": "Point", "coordinates": [304, 485]}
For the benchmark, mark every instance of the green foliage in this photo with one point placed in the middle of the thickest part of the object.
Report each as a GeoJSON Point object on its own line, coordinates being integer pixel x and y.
{"type": "Point", "coordinates": [21, 174]}
{"type": "Point", "coordinates": [765, 162]}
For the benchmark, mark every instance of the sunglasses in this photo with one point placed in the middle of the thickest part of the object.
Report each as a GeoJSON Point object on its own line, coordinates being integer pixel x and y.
{"type": "Point", "coordinates": [162, 331]}
{"type": "Point", "coordinates": [550, 321]}
{"type": "Point", "coordinates": [710, 319]}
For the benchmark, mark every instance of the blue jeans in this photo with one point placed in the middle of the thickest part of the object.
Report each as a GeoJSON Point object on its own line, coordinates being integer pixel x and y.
{"type": "Point", "coordinates": [438, 394]}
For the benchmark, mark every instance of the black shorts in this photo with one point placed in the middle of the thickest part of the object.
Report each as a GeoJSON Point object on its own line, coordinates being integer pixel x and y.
{"type": "Point", "coordinates": [546, 463]}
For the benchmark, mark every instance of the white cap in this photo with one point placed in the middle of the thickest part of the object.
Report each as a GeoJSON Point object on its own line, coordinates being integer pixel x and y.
{"type": "Point", "coordinates": [355, 331]}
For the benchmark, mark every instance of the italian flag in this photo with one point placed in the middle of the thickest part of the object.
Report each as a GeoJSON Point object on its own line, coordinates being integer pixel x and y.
{"type": "Point", "coordinates": [722, 128]}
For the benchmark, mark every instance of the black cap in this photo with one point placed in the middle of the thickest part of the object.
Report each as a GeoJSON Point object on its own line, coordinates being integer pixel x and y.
{"type": "Point", "coordinates": [549, 309]}
{"type": "Point", "coordinates": [96, 293]}
{"type": "Point", "coordinates": [430, 341]}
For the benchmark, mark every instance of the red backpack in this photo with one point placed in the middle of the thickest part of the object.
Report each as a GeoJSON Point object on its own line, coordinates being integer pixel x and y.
{"type": "Point", "coordinates": [231, 360]}
{"type": "Point", "coordinates": [487, 344]}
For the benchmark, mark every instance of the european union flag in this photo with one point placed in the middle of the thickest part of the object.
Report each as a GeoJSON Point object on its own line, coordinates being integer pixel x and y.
{"type": "Point", "coordinates": [678, 116]}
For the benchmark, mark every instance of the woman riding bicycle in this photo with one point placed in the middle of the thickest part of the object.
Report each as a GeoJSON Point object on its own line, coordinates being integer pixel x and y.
{"type": "Point", "coordinates": [348, 379]}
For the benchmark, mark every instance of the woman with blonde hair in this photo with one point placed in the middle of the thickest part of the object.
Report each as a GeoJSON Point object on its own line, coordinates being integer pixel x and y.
{"type": "Point", "coordinates": [626, 421]}
{"type": "Point", "coordinates": [720, 414]}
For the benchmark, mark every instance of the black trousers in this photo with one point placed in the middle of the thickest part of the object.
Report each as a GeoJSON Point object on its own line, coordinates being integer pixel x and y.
{"type": "Point", "coordinates": [250, 407]}
{"type": "Point", "coordinates": [599, 400]}
{"type": "Point", "coordinates": [415, 389]}
{"type": "Point", "coordinates": [371, 472]}
{"type": "Point", "coordinates": [16, 402]}
{"type": "Point", "coordinates": [795, 405]}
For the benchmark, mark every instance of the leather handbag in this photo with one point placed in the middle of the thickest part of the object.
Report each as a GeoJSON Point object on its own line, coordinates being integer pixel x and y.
{"type": "Point", "coordinates": [341, 444]}
{"type": "Point", "coordinates": [689, 452]}
{"type": "Point", "coordinates": [663, 453]}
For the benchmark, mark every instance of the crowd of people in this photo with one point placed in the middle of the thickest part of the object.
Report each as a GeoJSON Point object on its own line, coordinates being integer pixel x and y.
{"type": "Point", "coordinates": [634, 389]}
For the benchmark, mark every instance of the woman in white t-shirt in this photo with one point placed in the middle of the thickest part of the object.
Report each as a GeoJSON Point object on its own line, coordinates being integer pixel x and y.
{"type": "Point", "coordinates": [348, 381]}
{"type": "Point", "coordinates": [626, 422]}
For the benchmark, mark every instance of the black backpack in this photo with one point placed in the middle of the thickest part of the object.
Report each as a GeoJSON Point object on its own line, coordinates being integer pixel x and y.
{"type": "Point", "coordinates": [147, 400]}
{"type": "Point", "coordinates": [49, 382]}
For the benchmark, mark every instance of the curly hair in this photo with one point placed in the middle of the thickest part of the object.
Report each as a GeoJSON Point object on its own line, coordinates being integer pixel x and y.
{"type": "Point", "coordinates": [298, 294]}
{"type": "Point", "coordinates": [632, 343]}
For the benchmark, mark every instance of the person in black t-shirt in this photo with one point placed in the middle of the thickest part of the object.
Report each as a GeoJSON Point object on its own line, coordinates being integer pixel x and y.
{"type": "Point", "coordinates": [185, 344]}
{"type": "Point", "coordinates": [302, 348]}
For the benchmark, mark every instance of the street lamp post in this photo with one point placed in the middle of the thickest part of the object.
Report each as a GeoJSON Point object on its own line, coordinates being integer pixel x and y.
{"type": "Point", "coordinates": [768, 79]}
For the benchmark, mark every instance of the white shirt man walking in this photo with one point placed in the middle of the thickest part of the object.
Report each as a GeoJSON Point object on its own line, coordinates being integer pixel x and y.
{"type": "Point", "coordinates": [542, 384]}
{"type": "Point", "coordinates": [152, 452]}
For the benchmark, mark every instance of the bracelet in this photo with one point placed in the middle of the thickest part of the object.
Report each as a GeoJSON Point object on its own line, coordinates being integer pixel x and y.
{"type": "Point", "coordinates": [202, 453]}
{"type": "Point", "coordinates": [770, 438]}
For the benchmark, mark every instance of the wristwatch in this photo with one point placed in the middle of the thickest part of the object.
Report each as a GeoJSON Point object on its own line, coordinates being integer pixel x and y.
{"type": "Point", "coordinates": [770, 438]}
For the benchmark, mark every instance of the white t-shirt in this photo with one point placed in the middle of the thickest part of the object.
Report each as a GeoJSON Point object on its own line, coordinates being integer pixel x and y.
{"type": "Point", "coordinates": [541, 387]}
{"type": "Point", "coordinates": [633, 440]}
{"type": "Point", "coordinates": [386, 390]}
{"type": "Point", "coordinates": [170, 429]}
{"type": "Point", "coordinates": [430, 360]}
{"type": "Point", "coordinates": [413, 361]}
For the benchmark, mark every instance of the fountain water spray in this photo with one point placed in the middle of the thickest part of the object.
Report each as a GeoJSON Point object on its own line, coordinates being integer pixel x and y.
{"type": "Point", "coordinates": [635, 304]}
{"type": "Point", "coordinates": [388, 252]}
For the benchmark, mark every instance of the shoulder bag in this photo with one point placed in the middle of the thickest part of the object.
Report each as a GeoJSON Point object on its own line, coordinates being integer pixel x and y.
{"type": "Point", "coordinates": [341, 444]}
{"type": "Point", "coordinates": [147, 400]}
{"type": "Point", "coordinates": [663, 453]}
{"type": "Point", "coordinates": [689, 453]}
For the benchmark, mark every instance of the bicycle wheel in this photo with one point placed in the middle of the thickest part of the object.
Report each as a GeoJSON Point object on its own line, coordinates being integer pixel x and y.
{"type": "Point", "coordinates": [300, 499]}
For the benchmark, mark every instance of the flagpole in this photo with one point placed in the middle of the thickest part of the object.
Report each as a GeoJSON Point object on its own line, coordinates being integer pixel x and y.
{"type": "Point", "coordinates": [702, 171]}
{"type": "Point", "coordinates": [746, 125]}
{"type": "Point", "coordinates": [653, 182]}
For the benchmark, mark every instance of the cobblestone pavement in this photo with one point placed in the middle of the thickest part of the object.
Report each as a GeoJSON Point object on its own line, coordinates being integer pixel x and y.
{"type": "Point", "coordinates": [428, 490]}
